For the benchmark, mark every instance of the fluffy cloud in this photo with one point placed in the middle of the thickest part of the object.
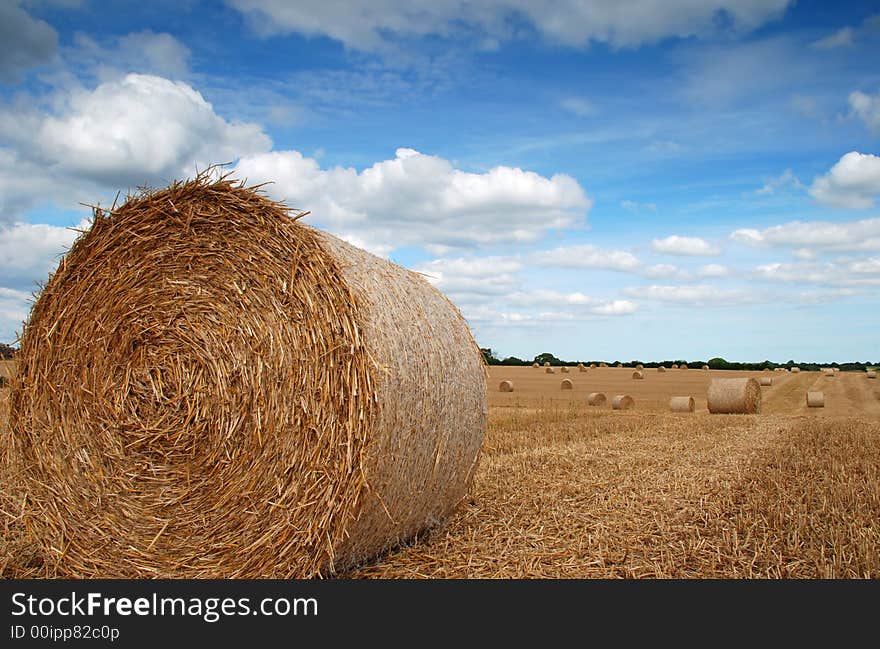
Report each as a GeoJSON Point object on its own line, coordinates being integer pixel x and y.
{"type": "Point", "coordinates": [867, 108]}
{"type": "Point", "coordinates": [30, 251]}
{"type": "Point", "coordinates": [13, 311]}
{"type": "Point", "coordinates": [684, 246]}
{"type": "Point", "coordinates": [418, 199]}
{"type": "Point", "coordinates": [586, 256]}
{"type": "Point", "coordinates": [852, 183]}
{"type": "Point", "coordinates": [27, 42]}
{"type": "Point", "coordinates": [662, 270]}
{"type": "Point", "coordinates": [137, 129]}
{"type": "Point", "coordinates": [474, 278]}
{"type": "Point", "coordinates": [820, 235]}
{"type": "Point", "coordinates": [370, 26]}
{"type": "Point", "coordinates": [713, 270]}
{"type": "Point", "coordinates": [697, 295]}
{"type": "Point", "coordinates": [145, 51]}
{"type": "Point", "coordinates": [862, 272]}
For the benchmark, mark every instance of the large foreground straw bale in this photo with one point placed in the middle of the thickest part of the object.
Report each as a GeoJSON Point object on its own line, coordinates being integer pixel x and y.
{"type": "Point", "coordinates": [505, 386]}
{"type": "Point", "coordinates": [729, 396]}
{"type": "Point", "coordinates": [622, 402]}
{"type": "Point", "coordinates": [815, 399]}
{"type": "Point", "coordinates": [596, 399]}
{"type": "Point", "coordinates": [209, 388]}
{"type": "Point", "coordinates": [682, 404]}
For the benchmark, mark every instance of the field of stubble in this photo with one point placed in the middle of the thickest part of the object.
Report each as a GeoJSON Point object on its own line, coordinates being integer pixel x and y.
{"type": "Point", "coordinates": [565, 490]}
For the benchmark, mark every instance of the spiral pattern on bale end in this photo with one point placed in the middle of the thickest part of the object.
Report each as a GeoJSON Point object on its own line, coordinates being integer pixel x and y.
{"type": "Point", "coordinates": [208, 388]}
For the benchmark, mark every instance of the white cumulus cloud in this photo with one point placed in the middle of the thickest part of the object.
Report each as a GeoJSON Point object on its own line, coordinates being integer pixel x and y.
{"type": "Point", "coordinates": [419, 199]}
{"type": "Point", "coordinates": [809, 236]}
{"type": "Point", "coordinates": [867, 108]}
{"type": "Point", "coordinates": [586, 256]}
{"type": "Point", "coordinates": [684, 246]}
{"type": "Point", "coordinates": [852, 183]}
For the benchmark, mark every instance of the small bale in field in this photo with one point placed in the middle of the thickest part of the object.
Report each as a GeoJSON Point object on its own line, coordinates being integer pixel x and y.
{"type": "Point", "coordinates": [871, 374]}
{"type": "Point", "coordinates": [581, 368]}
{"type": "Point", "coordinates": [638, 375]}
{"type": "Point", "coordinates": [603, 364]}
{"type": "Point", "coordinates": [566, 384]}
{"type": "Point", "coordinates": [829, 371]}
{"type": "Point", "coordinates": [835, 369]}
{"type": "Point", "coordinates": [766, 380]}
{"type": "Point", "coordinates": [549, 370]}
{"type": "Point", "coordinates": [564, 369]}
{"type": "Point", "coordinates": [620, 365]}
{"type": "Point", "coordinates": [622, 402]}
{"type": "Point", "coordinates": [795, 370]}
{"type": "Point", "coordinates": [734, 396]}
{"type": "Point", "coordinates": [639, 366]}
{"type": "Point", "coordinates": [815, 399]}
{"type": "Point", "coordinates": [705, 367]}
{"type": "Point", "coordinates": [592, 366]}
{"type": "Point", "coordinates": [683, 366]}
{"type": "Point", "coordinates": [546, 363]}
{"type": "Point", "coordinates": [596, 399]}
{"type": "Point", "coordinates": [674, 366]}
{"type": "Point", "coordinates": [661, 369]}
{"type": "Point", "coordinates": [505, 386]}
{"type": "Point", "coordinates": [535, 365]}
{"type": "Point", "coordinates": [682, 404]}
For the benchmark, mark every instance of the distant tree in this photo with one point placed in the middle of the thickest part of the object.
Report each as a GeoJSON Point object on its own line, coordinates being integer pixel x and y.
{"type": "Point", "coordinates": [489, 356]}
{"type": "Point", "coordinates": [718, 364]}
{"type": "Point", "coordinates": [513, 360]}
{"type": "Point", "coordinates": [547, 357]}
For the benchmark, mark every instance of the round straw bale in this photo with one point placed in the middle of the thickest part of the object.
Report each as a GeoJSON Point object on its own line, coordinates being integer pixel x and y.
{"type": "Point", "coordinates": [546, 363]}
{"type": "Point", "coordinates": [592, 366]}
{"type": "Point", "coordinates": [871, 374]}
{"type": "Point", "coordinates": [681, 404]}
{"type": "Point", "coordinates": [638, 375]}
{"type": "Point", "coordinates": [829, 371]}
{"type": "Point", "coordinates": [639, 366]}
{"type": "Point", "coordinates": [535, 365]}
{"type": "Point", "coordinates": [581, 368]}
{"type": "Point", "coordinates": [705, 367]}
{"type": "Point", "coordinates": [795, 369]}
{"type": "Point", "coordinates": [683, 366]}
{"type": "Point", "coordinates": [596, 399]}
{"type": "Point", "coordinates": [815, 399]}
{"type": "Point", "coordinates": [564, 369]}
{"type": "Point", "coordinates": [622, 402]}
{"type": "Point", "coordinates": [835, 369]}
{"type": "Point", "coordinates": [209, 388]}
{"type": "Point", "coordinates": [549, 370]}
{"type": "Point", "coordinates": [603, 364]}
{"type": "Point", "coordinates": [661, 369]}
{"type": "Point", "coordinates": [505, 386]}
{"type": "Point", "coordinates": [734, 396]}
{"type": "Point", "coordinates": [620, 365]}
{"type": "Point", "coordinates": [766, 380]}
{"type": "Point", "coordinates": [567, 384]}
{"type": "Point", "coordinates": [674, 366]}
{"type": "Point", "coordinates": [766, 369]}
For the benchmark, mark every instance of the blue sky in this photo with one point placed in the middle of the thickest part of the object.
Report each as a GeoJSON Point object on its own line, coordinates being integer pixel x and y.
{"type": "Point", "coordinates": [601, 180]}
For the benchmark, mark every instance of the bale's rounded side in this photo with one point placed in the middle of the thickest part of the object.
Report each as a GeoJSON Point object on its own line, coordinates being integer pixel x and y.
{"type": "Point", "coordinates": [766, 380]}
{"type": "Point", "coordinates": [705, 367]}
{"type": "Point", "coordinates": [638, 375]}
{"type": "Point", "coordinates": [815, 399]}
{"type": "Point", "coordinates": [549, 370]}
{"type": "Point", "coordinates": [683, 366]}
{"type": "Point", "coordinates": [622, 402]}
{"type": "Point", "coordinates": [566, 384]}
{"type": "Point", "coordinates": [639, 366]}
{"type": "Point", "coordinates": [505, 386]}
{"type": "Point", "coordinates": [535, 365]}
{"type": "Point", "coordinates": [564, 369]}
{"type": "Point", "coordinates": [871, 374]}
{"type": "Point", "coordinates": [682, 404]}
{"type": "Point", "coordinates": [596, 399]}
{"type": "Point", "coordinates": [661, 369]}
{"type": "Point", "coordinates": [546, 363]}
{"type": "Point", "coordinates": [209, 388]}
{"type": "Point", "coordinates": [729, 396]}
{"type": "Point", "coordinates": [674, 366]}
{"type": "Point", "coordinates": [795, 369]}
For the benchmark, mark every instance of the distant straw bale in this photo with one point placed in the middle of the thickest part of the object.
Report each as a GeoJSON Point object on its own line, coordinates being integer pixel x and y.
{"type": "Point", "coordinates": [505, 386]}
{"type": "Point", "coordinates": [766, 380]}
{"type": "Point", "coordinates": [622, 402]}
{"type": "Point", "coordinates": [638, 375]}
{"type": "Point", "coordinates": [596, 399]}
{"type": "Point", "coordinates": [682, 404]}
{"type": "Point", "coordinates": [815, 399]}
{"type": "Point", "coordinates": [567, 384]}
{"type": "Point", "coordinates": [661, 369]}
{"type": "Point", "coordinates": [729, 396]}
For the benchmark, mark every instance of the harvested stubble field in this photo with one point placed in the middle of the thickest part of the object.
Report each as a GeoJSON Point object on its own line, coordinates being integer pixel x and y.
{"type": "Point", "coordinates": [565, 490]}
